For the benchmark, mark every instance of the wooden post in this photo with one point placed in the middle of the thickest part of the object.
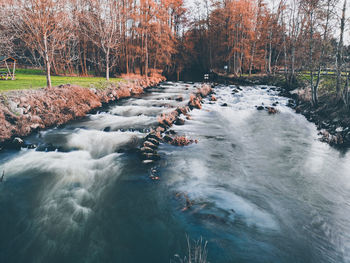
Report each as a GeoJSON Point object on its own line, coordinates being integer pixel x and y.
{"type": "Point", "coordinates": [14, 70]}
{"type": "Point", "coordinates": [8, 70]}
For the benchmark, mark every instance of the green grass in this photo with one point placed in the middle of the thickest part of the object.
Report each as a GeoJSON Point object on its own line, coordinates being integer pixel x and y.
{"type": "Point", "coordinates": [34, 78]}
{"type": "Point", "coordinates": [327, 82]}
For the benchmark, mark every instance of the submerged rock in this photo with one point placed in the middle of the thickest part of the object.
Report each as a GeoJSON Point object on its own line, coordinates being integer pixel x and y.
{"type": "Point", "coordinates": [151, 156]}
{"type": "Point", "coordinates": [272, 110]}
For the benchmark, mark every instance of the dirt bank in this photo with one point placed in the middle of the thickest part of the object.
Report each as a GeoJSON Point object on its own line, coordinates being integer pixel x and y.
{"type": "Point", "coordinates": [25, 111]}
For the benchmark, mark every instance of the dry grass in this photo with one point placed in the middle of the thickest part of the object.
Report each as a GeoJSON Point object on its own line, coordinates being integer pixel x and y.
{"type": "Point", "coordinates": [196, 252]}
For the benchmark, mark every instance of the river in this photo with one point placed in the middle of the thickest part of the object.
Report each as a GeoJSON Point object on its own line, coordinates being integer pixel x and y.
{"type": "Point", "coordinates": [262, 187]}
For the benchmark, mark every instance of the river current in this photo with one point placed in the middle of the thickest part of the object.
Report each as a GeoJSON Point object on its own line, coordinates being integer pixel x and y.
{"type": "Point", "coordinates": [262, 187]}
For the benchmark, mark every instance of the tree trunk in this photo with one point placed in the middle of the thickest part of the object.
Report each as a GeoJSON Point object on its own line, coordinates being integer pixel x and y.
{"type": "Point", "coordinates": [146, 50]}
{"type": "Point", "coordinates": [292, 72]}
{"type": "Point", "coordinates": [313, 90]}
{"type": "Point", "coordinates": [346, 91]}
{"type": "Point", "coordinates": [340, 52]}
{"type": "Point", "coordinates": [270, 51]}
{"type": "Point", "coordinates": [47, 63]}
{"type": "Point", "coordinates": [322, 49]}
{"type": "Point", "coordinates": [107, 65]}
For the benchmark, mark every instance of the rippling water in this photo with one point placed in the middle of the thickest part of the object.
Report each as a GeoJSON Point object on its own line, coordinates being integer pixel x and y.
{"type": "Point", "coordinates": [263, 188]}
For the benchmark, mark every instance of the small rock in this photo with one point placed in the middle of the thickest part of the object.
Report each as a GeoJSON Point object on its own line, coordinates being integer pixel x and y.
{"type": "Point", "coordinates": [180, 98]}
{"type": "Point", "coordinates": [147, 150]}
{"type": "Point", "coordinates": [107, 129]}
{"type": "Point", "coordinates": [154, 141]}
{"type": "Point", "coordinates": [339, 129]}
{"type": "Point", "coordinates": [167, 139]}
{"type": "Point", "coordinates": [149, 145]}
{"type": "Point", "coordinates": [272, 110]}
{"type": "Point", "coordinates": [152, 136]}
{"type": "Point", "coordinates": [35, 126]}
{"type": "Point", "coordinates": [180, 121]}
{"type": "Point", "coordinates": [31, 146]}
{"type": "Point", "coordinates": [260, 108]}
{"type": "Point", "coordinates": [148, 161]}
{"type": "Point", "coordinates": [224, 105]}
{"type": "Point", "coordinates": [17, 143]}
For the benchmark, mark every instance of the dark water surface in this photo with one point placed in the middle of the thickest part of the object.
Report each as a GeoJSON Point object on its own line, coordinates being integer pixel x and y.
{"type": "Point", "coordinates": [263, 188]}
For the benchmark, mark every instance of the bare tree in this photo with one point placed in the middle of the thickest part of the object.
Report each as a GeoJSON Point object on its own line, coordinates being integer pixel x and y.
{"type": "Point", "coordinates": [340, 51]}
{"type": "Point", "coordinates": [43, 26]}
{"type": "Point", "coordinates": [102, 26]}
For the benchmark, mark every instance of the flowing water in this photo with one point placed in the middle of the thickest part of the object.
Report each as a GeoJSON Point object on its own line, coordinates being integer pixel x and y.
{"type": "Point", "coordinates": [262, 187]}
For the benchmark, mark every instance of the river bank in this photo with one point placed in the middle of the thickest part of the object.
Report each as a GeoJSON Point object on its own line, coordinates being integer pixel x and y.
{"type": "Point", "coordinates": [254, 183]}
{"type": "Point", "coordinates": [330, 117]}
{"type": "Point", "coordinates": [25, 111]}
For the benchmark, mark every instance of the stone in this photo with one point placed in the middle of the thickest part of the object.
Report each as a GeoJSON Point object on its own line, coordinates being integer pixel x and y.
{"type": "Point", "coordinates": [152, 136]}
{"type": "Point", "coordinates": [31, 146]}
{"type": "Point", "coordinates": [147, 150]}
{"type": "Point", "coordinates": [107, 129]}
{"type": "Point", "coordinates": [167, 139]}
{"type": "Point", "coordinates": [148, 144]}
{"type": "Point", "coordinates": [339, 129]}
{"type": "Point", "coordinates": [272, 110]}
{"type": "Point", "coordinates": [180, 121]}
{"type": "Point", "coordinates": [17, 143]}
{"type": "Point", "coordinates": [180, 98]}
{"type": "Point", "coordinates": [154, 141]}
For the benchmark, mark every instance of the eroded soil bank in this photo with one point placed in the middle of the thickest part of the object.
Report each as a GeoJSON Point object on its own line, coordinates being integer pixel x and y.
{"type": "Point", "coordinates": [25, 111]}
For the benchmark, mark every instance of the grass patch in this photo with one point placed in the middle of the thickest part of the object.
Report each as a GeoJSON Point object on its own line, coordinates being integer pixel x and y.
{"type": "Point", "coordinates": [327, 82]}
{"type": "Point", "coordinates": [34, 79]}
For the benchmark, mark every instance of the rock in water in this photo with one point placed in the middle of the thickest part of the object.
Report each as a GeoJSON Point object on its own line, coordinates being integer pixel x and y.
{"type": "Point", "coordinates": [180, 121]}
{"type": "Point", "coordinates": [272, 110]}
{"type": "Point", "coordinates": [17, 143]}
{"type": "Point", "coordinates": [167, 139]}
{"type": "Point", "coordinates": [148, 144]}
{"type": "Point", "coordinates": [180, 98]}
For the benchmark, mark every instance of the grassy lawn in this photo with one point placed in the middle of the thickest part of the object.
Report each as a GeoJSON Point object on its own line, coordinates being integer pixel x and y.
{"type": "Point", "coordinates": [33, 79]}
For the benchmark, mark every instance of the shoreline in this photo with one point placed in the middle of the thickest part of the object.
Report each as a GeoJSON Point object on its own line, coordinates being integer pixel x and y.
{"type": "Point", "coordinates": [24, 112]}
{"type": "Point", "coordinates": [331, 119]}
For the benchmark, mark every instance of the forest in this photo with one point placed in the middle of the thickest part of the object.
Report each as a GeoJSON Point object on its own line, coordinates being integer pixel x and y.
{"type": "Point", "coordinates": [238, 37]}
{"type": "Point", "coordinates": [181, 131]}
